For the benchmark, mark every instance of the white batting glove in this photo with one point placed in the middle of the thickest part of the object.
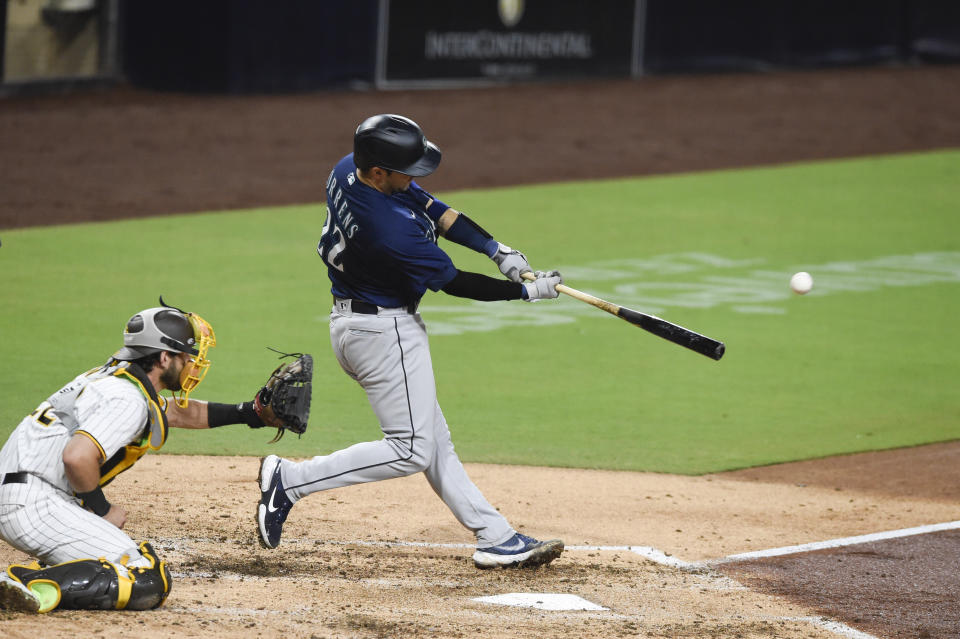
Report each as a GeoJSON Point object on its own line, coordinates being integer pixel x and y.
{"type": "Point", "coordinates": [544, 287]}
{"type": "Point", "coordinates": [512, 263]}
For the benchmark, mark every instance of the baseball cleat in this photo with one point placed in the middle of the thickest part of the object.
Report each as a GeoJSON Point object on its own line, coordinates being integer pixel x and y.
{"type": "Point", "coordinates": [274, 505]}
{"type": "Point", "coordinates": [15, 596]}
{"type": "Point", "coordinates": [519, 551]}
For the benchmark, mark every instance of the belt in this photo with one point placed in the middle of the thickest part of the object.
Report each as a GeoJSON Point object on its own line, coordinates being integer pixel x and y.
{"type": "Point", "coordinates": [366, 308]}
{"type": "Point", "coordinates": [14, 478]}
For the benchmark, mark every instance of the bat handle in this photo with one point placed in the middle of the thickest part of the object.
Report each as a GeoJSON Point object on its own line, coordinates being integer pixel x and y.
{"type": "Point", "coordinates": [560, 288]}
{"type": "Point", "coordinates": [609, 307]}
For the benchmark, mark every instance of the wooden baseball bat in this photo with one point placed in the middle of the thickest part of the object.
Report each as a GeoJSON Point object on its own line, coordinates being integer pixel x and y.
{"type": "Point", "coordinates": [650, 323]}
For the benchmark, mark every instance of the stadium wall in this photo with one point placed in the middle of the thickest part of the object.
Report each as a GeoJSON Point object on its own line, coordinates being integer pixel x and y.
{"type": "Point", "coordinates": [257, 46]}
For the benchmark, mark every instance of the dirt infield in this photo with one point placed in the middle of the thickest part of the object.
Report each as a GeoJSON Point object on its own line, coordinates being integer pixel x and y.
{"type": "Point", "coordinates": [387, 560]}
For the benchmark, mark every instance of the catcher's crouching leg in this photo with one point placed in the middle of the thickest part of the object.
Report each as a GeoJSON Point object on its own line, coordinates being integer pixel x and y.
{"type": "Point", "coordinates": [151, 584]}
{"type": "Point", "coordinates": [96, 584]}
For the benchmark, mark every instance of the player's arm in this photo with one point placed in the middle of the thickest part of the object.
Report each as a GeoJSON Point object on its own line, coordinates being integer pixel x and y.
{"type": "Point", "coordinates": [476, 286]}
{"type": "Point", "coordinates": [193, 415]}
{"type": "Point", "coordinates": [459, 228]}
{"type": "Point", "coordinates": [464, 231]}
{"type": "Point", "coordinates": [199, 414]}
{"type": "Point", "coordinates": [81, 461]}
{"type": "Point", "coordinates": [283, 402]}
{"type": "Point", "coordinates": [82, 457]}
{"type": "Point", "coordinates": [452, 224]}
{"type": "Point", "coordinates": [435, 209]}
{"type": "Point", "coordinates": [426, 263]}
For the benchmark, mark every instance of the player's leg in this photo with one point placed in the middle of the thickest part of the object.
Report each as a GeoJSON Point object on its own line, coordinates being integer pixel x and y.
{"type": "Point", "coordinates": [389, 357]}
{"type": "Point", "coordinates": [50, 526]}
{"type": "Point", "coordinates": [96, 584]}
{"type": "Point", "coordinates": [498, 544]}
{"type": "Point", "coordinates": [66, 538]}
{"type": "Point", "coordinates": [450, 481]}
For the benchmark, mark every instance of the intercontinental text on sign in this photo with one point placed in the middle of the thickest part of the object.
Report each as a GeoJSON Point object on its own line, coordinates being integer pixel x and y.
{"type": "Point", "coordinates": [427, 43]}
{"type": "Point", "coordinates": [491, 45]}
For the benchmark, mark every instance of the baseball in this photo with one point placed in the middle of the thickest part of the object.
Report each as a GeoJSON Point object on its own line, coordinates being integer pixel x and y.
{"type": "Point", "coordinates": [801, 283]}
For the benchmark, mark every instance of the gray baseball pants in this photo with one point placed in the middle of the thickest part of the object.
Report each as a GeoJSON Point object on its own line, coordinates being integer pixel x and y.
{"type": "Point", "coordinates": [388, 354]}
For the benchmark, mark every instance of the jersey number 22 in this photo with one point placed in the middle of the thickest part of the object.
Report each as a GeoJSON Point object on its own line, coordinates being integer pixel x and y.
{"type": "Point", "coordinates": [333, 240]}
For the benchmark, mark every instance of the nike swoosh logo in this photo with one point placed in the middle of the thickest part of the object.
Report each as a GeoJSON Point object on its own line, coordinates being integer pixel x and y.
{"type": "Point", "coordinates": [517, 546]}
{"type": "Point", "coordinates": [273, 496]}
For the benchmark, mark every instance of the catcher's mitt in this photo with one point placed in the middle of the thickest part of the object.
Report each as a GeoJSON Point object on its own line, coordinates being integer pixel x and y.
{"type": "Point", "coordinates": [284, 401]}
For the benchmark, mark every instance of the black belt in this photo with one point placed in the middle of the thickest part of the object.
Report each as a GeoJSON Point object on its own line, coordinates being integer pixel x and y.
{"type": "Point", "coordinates": [14, 478]}
{"type": "Point", "coordinates": [366, 308]}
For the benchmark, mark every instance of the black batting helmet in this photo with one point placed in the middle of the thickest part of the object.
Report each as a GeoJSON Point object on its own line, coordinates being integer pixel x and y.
{"type": "Point", "coordinates": [395, 143]}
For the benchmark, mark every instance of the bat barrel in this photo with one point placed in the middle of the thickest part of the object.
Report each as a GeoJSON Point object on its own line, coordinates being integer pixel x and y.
{"type": "Point", "coordinates": [674, 333]}
{"type": "Point", "coordinates": [650, 323]}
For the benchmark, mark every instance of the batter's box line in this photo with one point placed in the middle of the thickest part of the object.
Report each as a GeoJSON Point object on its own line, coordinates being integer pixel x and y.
{"type": "Point", "coordinates": [830, 625]}
{"type": "Point", "coordinates": [830, 543]}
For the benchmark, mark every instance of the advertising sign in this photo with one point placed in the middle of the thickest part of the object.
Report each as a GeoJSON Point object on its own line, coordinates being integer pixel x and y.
{"type": "Point", "coordinates": [423, 42]}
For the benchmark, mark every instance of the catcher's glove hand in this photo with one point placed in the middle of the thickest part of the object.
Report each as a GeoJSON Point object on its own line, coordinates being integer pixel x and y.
{"type": "Point", "coordinates": [284, 401]}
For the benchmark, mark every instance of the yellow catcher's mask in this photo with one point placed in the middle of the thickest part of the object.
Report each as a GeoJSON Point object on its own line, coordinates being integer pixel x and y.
{"type": "Point", "coordinates": [194, 372]}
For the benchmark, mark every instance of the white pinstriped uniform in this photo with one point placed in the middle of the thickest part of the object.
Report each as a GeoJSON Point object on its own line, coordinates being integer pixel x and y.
{"type": "Point", "coordinates": [42, 517]}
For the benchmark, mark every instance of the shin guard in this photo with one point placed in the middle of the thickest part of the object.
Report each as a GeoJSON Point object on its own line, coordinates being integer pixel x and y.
{"type": "Point", "coordinates": [97, 584]}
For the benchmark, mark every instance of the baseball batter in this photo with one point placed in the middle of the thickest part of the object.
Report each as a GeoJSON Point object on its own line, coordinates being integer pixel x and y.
{"type": "Point", "coordinates": [379, 246]}
{"type": "Point", "coordinates": [56, 462]}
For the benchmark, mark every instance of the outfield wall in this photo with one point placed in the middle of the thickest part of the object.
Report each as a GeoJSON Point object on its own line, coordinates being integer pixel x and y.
{"type": "Point", "coordinates": [257, 46]}
{"type": "Point", "coordinates": [752, 35]}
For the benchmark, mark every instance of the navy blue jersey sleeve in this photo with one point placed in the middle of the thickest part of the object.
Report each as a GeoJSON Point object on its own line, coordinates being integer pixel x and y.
{"type": "Point", "coordinates": [416, 197]}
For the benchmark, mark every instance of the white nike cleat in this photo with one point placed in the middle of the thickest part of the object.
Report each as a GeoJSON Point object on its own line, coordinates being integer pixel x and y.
{"type": "Point", "coordinates": [519, 551]}
{"type": "Point", "coordinates": [274, 505]}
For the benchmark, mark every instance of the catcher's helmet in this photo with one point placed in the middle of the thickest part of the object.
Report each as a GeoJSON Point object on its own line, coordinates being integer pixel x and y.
{"type": "Point", "coordinates": [395, 143]}
{"type": "Point", "coordinates": [157, 329]}
{"type": "Point", "coordinates": [165, 328]}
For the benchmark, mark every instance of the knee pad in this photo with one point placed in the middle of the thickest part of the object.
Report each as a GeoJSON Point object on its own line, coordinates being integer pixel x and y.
{"type": "Point", "coordinates": [150, 585]}
{"type": "Point", "coordinates": [97, 584]}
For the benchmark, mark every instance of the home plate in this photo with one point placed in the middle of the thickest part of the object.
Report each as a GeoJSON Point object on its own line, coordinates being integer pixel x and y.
{"type": "Point", "coordinates": [543, 601]}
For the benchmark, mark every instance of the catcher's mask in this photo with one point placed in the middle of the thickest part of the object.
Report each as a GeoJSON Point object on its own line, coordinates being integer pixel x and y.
{"type": "Point", "coordinates": [166, 328]}
{"type": "Point", "coordinates": [395, 143]}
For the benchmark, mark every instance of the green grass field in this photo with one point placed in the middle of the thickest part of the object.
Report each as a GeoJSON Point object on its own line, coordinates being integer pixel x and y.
{"type": "Point", "coordinates": [865, 361]}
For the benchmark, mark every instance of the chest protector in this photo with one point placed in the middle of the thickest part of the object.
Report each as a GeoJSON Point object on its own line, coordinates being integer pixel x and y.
{"type": "Point", "coordinates": [154, 433]}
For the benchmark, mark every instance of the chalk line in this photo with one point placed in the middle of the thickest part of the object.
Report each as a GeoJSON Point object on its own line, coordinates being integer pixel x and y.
{"type": "Point", "coordinates": [834, 543]}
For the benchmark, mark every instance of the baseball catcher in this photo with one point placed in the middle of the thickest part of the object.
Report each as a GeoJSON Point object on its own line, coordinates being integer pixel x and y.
{"type": "Point", "coordinates": [58, 460]}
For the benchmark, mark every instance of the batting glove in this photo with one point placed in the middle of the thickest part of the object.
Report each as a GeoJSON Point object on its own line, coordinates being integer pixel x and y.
{"type": "Point", "coordinates": [544, 287]}
{"type": "Point", "coordinates": [512, 263]}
